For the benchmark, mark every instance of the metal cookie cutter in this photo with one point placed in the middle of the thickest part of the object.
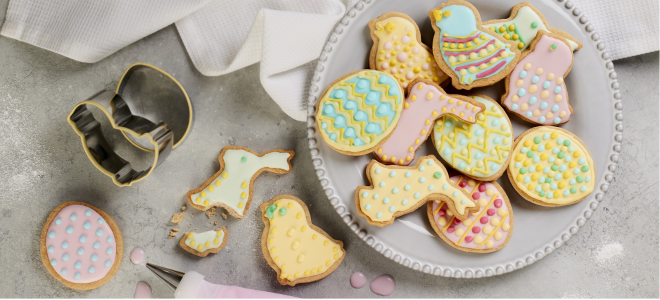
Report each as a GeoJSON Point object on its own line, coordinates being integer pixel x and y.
{"type": "Point", "coordinates": [160, 137]}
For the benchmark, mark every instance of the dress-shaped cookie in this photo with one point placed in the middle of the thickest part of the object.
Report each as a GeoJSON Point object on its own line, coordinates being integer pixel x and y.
{"type": "Point", "coordinates": [232, 186]}
{"type": "Point", "coordinates": [296, 249]}
{"type": "Point", "coordinates": [470, 54]}
{"type": "Point", "coordinates": [523, 25]}
{"type": "Point", "coordinates": [535, 90]}
{"type": "Point", "coordinates": [479, 150]}
{"type": "Point", "coordinates": [426, 102]}
{"type": "Point", "coordinates": [359, 110]}
{"type": "Point", "coordinates": [398, 50]}
{"type": "Point", "coordinates": [484, 231]}
{"type": "Point", "coordinates": [397, 190]}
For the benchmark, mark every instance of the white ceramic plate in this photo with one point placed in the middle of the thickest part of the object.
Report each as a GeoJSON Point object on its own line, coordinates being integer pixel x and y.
{"type": "Point", "coordinates": [538, 231]}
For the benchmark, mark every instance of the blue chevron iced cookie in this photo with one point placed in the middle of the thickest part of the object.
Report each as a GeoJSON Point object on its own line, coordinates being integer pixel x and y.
{"type": "Point", "coordinates": [470, 54]}
{"type": "Point", "coordinates": [358, 111]}
{"type": "Point", "coordinates": [479, 150]}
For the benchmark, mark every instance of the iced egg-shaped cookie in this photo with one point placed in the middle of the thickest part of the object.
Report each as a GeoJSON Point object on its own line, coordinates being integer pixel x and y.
{"type": "Point", "coordinates": [359, 110]}
{"type": "Point", "coordinates": [484, 231]}
{"type": "Point", "coordinates": [551, 167]}
{"type": "Point", "coordinates": [398, 50]}
{"type": "Point", "coordinates": [479, 150]}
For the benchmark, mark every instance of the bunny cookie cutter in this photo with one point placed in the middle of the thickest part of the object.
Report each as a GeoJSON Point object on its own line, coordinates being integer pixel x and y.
{"type": "Point", "coordinates": [134, 127]}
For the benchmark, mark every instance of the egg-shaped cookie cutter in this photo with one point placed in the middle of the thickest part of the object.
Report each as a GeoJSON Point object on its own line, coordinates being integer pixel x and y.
{"type": "Point", "coordinates": [115, 108]}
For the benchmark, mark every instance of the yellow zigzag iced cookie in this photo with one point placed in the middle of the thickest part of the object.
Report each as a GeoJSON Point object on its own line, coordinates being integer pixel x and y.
{"type": "Point", "coordinates": [398, 50]}
{"type": "Point", "coordinates": [232, 186]}
{"type": "Point", "coordinates": [296, 249]}
{"type": "Point", "coordinates": [398, 190]}
{"type": "Point", "coordinates": [204, 243]}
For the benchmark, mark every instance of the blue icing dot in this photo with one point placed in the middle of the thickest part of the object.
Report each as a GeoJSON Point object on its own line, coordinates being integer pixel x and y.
{"type": "Point", "coordinates": [379, 214]}
{"type": "Point", "coordinates": [572, 181]}
{"type": "Point", "coordinates": [521, 92]}
{"type": "Point", "coordinates": [386, 200]}
{"type": "Point", "coordinates": [445, 186]}
{"type": "Point", "coordinates": [91, 269]}
{"type": "Point", "coordinates": [108, 263]}
{"type": "Point", "coordinates": [544, 105]}
{"type": "Point", "coordinates": [541, 180]}
{"type": "Point", "coordinates": [108, 251]}
{"type": "Point", "coordinates": [479, 132]}
{"type": "Point", "coordinates": [372, 97]}
{"type": "Point", "coordinates": [540, 148]}
{"type": "Point", "coordinates": [581, 161]}
{"type": "Point", "coordinates": [421, 168]}
{"type": "Point", "coordinates": [392, 209]}
{"type": "Point", "coordinates": [518, 164]}
{"type": "Point", "coordinates": [530, 169]}
{"type": "Point", "coordinates": [546, 170]}
{"type": "Point", "coordinates": [583, 188]}
{"type": "Point", "coordinates": [448, 123]}
{"type": "Point", "coordinates": [549, 195]}
{"type": "Point", "coordinates": [367, 207]}
{"type": "Point", "coordinates": [363, 84]}
{"type": "Point", "coordinates": [51, 249]}
{"type": "Point", "coordinates": [562, 168]}
{"type": "Point", "coordinates": [339, 93]}
{"type": "Point", "coordinates": [514, 106]}
{"type": "Point", "coordinates": [358, 142]}
{"type": "Point", "coordinates": [576, 171]}
{"type": "Point", "coordinates": [408, 174]}
{"type": "Point", "coordinates": [557, 89]}
{"type": "Point", "coordinates": [422, 179]}
{"type": "Point", "coordinates": [571, 148]}
{"type": "Point", "coordinates": [76, 276]}
{"type": "Point", "coordinates": [463, 141]}
{"type": "Point", "coordinates": [461, 165]}
{"type": "Point", "coordinates": [96, 245]}
{"type": "Point", "coordinates": [523, 74]}
{"type": "Point", "coordinates": [526, 179]}
{"type": "Point", "coordinates": [557, 120]}
{"type": "Point", "coordinates": [406, 187]}
{"type": "Point", "coordinates": [524, 150]}
{"type": "Point", "coordinates": [94, 257]}
{"type": "Point", "coordinates": [77, 265]}
{"type": "Point", "coordinates": [53, 262]}
{"type": "Point", "coordinates": [555, 150]}
{"type": "Point", "coordinates": [58, 221]}
{"type": "Point", "coordinates": [376, 196]}
{"type": "Point", "coordinates": [555, 107]}
{"type": "Point", "coordinates": [446, 152]}
{"type": "Point", "coordinates": [546, 85]}
{"type": "Point", "coordinates": [493, 166]}
{"type": "Point", "coordinates": [340, 122]}
{"type": "Point", "coordinates": [324, 125]}
{"type": "Point", "coordinates": [535, 79]}
{"type": "Point", "coordinates": [51, 235]}
{"type": "Point", "coordinates": [333, 137]}
{"type": "Point", "coordinates": [551, 159]}
{"type": "Point", "coordinates": [430, 162]}
{"type": "Point", "coordinates": [82, 238]}
{"type": "Point", "coordinates": [69, 230]}
{"type": "Point", "coordinates": [87, 225]}
{"type": "Point", "coordinates": [360, 116]}
{"type": "Point", "coordinates": [536, 159]}
{"type": "Point", "coordinates": [542, 119]}
{"type": "Point", "coordinates": [378, 171]}
{"type": "Point", "coordinates": [557, 176]}
{"type": "Point", "coordinates": [392, 174]}
{"type": "Point", "coordinates": [63, 271]}
{"type": "Point", "coordinates": [477, 155]}
{"type": "Point", "coordinates": [81, 251]}
{"type": "Point", "coordinates": [528, 114]}
{"type": "Point", "coordinates": [386, 79]}
{"type": "Point", "coordinates": [417, 195]}
{"type": "Point", "coordinates": [404, 201]}
{"type": "Point", "coordinates": [587, 179]}
{"type": "Point", "coordinates": [88, 213]}
{"type": "Point", "coordinates": [532, 100]}
{"type": "Point", "coordinates": [382, 184]}
{"type": "Point", "coordinates": [495, 122]}
{"type": "Point", "coordinates": [431, 187]}
{"type": "Point", "coordinates": [99, 232]}
{"type": "Point", "coordinates": [350, 105]}
{"type": "Point", "coordinates": [65, 257]}
{"type": "Point", "coordinates": [395, 190]}
{"type": "Point", "coordinates": [567, 158]}
{"type": "Point", "coordinates": [560, 141]}
{"type": "Point", "coordinates": [546, 136]}
{"type": "Point", "coordinates": [372, 128]}
{"type": "Point", "coordinates": [496, 140]}
{"type": "Point", "coordinates": [73, 217]}
{"type": "Point", "coordinates": [349, 133]}
{"type": "Point", "coordinates": [456, 193]}
{"type": "Point", "coordinates": [383, 110]}
{"type": "Point", "coordinates": [463, 201]}
{"type": "Point", "coordinates": [365, 194]}
{"type": "Point", "coordinates": [566, 193]}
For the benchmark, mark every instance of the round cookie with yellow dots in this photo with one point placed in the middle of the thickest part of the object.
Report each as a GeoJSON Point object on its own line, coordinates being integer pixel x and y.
{"type": "Point", "coordinates": [204, 243]}
{"type": "Point", "coordinates": [551, 167]}
{"type": "Point", "coordinates": [296, 249]}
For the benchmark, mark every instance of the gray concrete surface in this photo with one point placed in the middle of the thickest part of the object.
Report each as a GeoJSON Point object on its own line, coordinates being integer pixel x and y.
{"type": "Point", "coordinates": [42, 165]}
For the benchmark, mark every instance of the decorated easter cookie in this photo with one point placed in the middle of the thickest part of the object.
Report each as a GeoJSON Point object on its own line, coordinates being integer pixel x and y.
{"type": "Point", "coordinates": [470, 54]}
{"type": "Point", "coordinates": [232, 186]}
{"type": "Point", "coordinates": [81, 245]}
{"type": "Point", "coordinates": [397, 190]}
{"type": "Point", "coordinates": [535, 90]}
{"type": "Point", "coordinates": [486, 230]}
{"type": "Point", "coordinates": [296, 249]}
{"type": "Point", "coordinates": [359, 110]}
{"type": "Point", "coordinates": [551, 167]}
{"type": "Point", "coordinates": [398, 50]}
{"type": "Point", "coordinates": [479, 150]}
{"type": "Point", "coordinates": [425, 103]}
{"type": "Point", "coordinates": [523, 25]}
{"type": "Point", "coordinates": [204, 243]}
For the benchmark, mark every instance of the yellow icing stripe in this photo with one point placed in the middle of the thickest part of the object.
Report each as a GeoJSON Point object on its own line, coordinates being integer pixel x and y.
{"type": "Point", "coordinates": [478, 217]}
{"type": "Point", "coordinates": [494, 231]}
{"type": "Point", "coordinates": [460, 37]}
{"type": "Point", "coordinates": [349, 118]}
{"type": "Point", "coordinates": [481, 42]}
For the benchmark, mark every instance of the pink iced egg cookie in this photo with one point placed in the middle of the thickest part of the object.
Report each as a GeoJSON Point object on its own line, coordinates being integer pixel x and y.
{"type": "Point", "coordinates": [485, 231]}
{"type": "Point", "coordinates": [81, 245]}
{"type": "Point", "coordinates": [535, 89]}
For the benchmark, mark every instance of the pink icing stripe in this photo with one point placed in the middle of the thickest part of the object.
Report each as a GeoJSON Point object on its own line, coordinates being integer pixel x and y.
{"type": "Point", "coordinates": [468, 53]}
{"type": "Point", "coordinates": [491, 71]}
{"type": "Point", "coordinates": [480, 62]}
{"type": "Point", "coordinates": [459, 40]}
{"type": "Point", "coordinates": [82, 257]}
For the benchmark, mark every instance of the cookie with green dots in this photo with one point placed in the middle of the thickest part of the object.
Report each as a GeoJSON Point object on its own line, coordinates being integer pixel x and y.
{"type": "Point", "coordinates": [551, 167]}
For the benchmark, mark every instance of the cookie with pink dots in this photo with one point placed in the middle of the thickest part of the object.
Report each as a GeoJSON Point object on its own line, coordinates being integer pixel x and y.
{"type": "Point", "coordinates": [535, 90]}
{"type": "Point", "coordinates": [398, 50]}
{"type": "Point", "coordinates": [484, 231]}
{"type": "Point", "coordinates": [81, 245]}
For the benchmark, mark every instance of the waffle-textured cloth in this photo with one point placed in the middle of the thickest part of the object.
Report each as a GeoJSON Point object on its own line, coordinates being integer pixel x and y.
{"type": "Point", "coordinates": [285, 35]}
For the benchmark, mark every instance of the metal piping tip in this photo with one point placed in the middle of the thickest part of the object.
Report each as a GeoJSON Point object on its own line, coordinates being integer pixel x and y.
{"type": "Point", "coordinates": [171, 277]}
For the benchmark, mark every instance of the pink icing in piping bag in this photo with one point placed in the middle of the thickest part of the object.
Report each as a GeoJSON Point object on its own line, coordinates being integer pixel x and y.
{"type": "Point", "coordinates": [193, 285]}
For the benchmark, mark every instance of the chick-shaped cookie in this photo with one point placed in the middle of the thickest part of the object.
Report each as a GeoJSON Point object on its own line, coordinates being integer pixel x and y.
{"type": "Point", "coordinates": [470, 54]}
{"type": "Point", "coordinates": [296, 249]}
{"type": "Point", "coordinates": [398, 50]}
{"type": "Point", "coordinates": [535, 90]}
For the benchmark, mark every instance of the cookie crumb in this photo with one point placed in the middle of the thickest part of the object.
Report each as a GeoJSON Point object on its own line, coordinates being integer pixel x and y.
{"type": "Point", "coordinates": [184, 207]}
{"type": "Point", "coordinates": [176, 218]}
{"type": "Point", "coordinates": [224, 216]}
{"type": "Point", "coordinates": [211, 212]}
{"type": "Point", "coordinates": [173, 233]}
{"type": "Point", "coordinates": [216, 223]}
{"type": "Point", "coordinates": [175, 229]}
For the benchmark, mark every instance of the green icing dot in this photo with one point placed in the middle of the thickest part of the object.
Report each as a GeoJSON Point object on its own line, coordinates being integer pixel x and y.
{"type": "Point", "coordinates": [573, 190]}
{"type": "Point", "coordinates": [579, 179]}
{"type": "Point", "coordinates": [530, 154]}
{"type": "Point", "coordinates": [542, 193]}
{"type": "Point", "coordinates": [553, 46]}
{"type": "Point", "coordinates": [561, 154]}
{"type": "Point", "coordinates": [437, 175]}
{"type": "Point", "coordinates": [523, 170]}
{"type": "Point", "coordinates": [270, 209]}
{"type": "Point", "coordinates": [567, 143]}
{"type": "Point", "coordinates": [534, 24]}
{"type": "Point", "coordinates": [243, 159]}
{"type": "Point", "coordinates": [537, 140]}
{"type": "Point", "coordinates": [548, 180]}
{"type": "Point", "coordinates": [585, 168]}
{"type": "Point", "coordinates": [282, 211]}
{"type": "Point", "coordinates": [554, 167]}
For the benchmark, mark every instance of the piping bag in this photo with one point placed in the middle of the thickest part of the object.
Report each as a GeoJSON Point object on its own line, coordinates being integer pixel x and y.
{"type": "Point", "coordinates": [192, 285]}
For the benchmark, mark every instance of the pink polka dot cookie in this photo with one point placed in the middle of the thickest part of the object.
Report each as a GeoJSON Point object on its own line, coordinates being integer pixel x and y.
{"type": "Point", "coordinates": [398, 50]}
{"type": "Point", "coordinates": [484, 231]}
{"type": "Point", "coordinates": [535, 90]}
{"type": "Point", "coordinates": [81, 245]}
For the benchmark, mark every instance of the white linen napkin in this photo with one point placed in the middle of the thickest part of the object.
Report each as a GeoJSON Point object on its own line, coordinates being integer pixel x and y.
{"type": "Point", "coordinates": [223, 36]}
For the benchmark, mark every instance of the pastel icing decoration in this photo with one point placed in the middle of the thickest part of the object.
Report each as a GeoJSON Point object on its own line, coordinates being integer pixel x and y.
{"type": "Point", "coordinates": [426, 102]}
{"type": "Point", "coordinates": [398, 50]}
{"type": "Point", "coordinates": [523, 25]}
{"type": "Point", "coordinates": [232, 186]}
{"type": "Point", "coordinates": [484, 231]}
{"type": "Point", "coordinates": [204, 243]}
{"type": "Point", "coordinates": [67, 246]}
{"type": "Point", "coordinates": [359, 110]}
{"type": "Point", "coordinates": [551, 167]}
{"type": "Point", "coordinates": [407, 188]}
{"type": "Point", "coordinates": [471, 55]}
{"type": "Point", "coordinates": [480, 150]}
{"type": "Point", "coordinates": [295, 248]}
{"type": "Point", "coordinates": [535, 89]}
